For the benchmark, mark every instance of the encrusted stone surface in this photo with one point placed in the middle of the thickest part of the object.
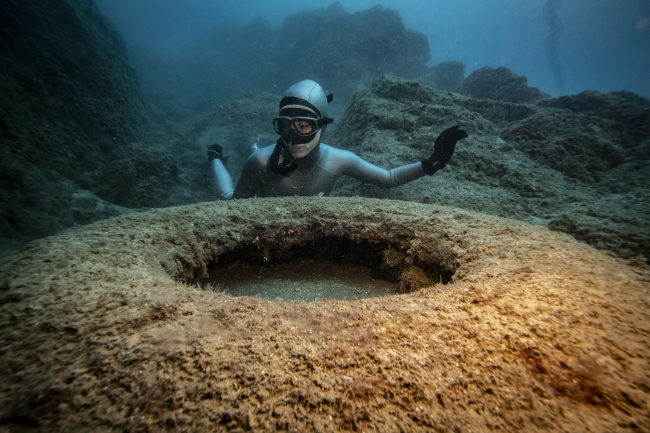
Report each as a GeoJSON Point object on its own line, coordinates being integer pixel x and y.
{"type": "Point", "coordinates": [536, 331]}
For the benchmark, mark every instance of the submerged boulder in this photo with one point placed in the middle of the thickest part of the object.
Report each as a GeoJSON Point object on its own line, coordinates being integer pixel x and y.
{"type": "Point", "coordinates": [444, 76]}
{"type": "Point", "coordinates": [629, 112]}
{"type": "Point", "coordinates": [500, 84]}
{"type": "Point", "coordinates": [116, 326]}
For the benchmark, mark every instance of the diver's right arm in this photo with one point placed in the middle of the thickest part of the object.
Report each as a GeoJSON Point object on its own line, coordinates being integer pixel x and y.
{"type": "Point", "coordinates": [221, 180]}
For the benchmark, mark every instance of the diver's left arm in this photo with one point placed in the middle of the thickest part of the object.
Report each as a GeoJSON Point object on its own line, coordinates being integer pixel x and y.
{"type": "Point", "coordinates": [364, 171]}
{"type": "Point", "coordinates": [443, 150]}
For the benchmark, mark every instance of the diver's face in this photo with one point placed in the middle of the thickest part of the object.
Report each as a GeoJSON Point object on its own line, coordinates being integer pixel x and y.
{"type": "Point", "coordinates": [301, 150]}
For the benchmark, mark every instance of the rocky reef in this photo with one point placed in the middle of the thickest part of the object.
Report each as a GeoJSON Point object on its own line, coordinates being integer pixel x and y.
{"type": "Point", "coordinates": [499, 84]}
{"type": "Point", "coordinates": [69, 99]}
{"type": "Point", "coordinates": [79, 141]}
{"type": "Point", "coordinates": [444, 76]}
{"type": "Point", "coordinates": [577, 164]}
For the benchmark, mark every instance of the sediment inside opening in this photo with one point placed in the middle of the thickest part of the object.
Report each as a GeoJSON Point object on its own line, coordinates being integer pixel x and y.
{"type": "Point", "coordinates": [325, 268]}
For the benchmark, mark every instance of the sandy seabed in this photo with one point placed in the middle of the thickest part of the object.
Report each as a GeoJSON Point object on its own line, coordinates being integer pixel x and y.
{"type": "Point", "coordinates": [109, 327]}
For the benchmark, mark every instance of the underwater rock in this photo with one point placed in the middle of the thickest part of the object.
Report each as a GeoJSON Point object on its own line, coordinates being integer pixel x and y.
{"type": "Point", "coordinates": [630, 112]}
{"type": "Point", "coordinates": [444, 76]}
{"type": "Point", "coordinates": [143, 175]}
{"type": "Point", "coordinates": [599, 132]}
{"type": "Point", "coordinates": [542, 165]}
{"type": "Point", "coordinates": [499, 84]}
{"type": "Point", "coordinates": [578, 146]}
{"type": "Point", "coordinates": [631, 96]}
{"type": "Point", "coordinates": [69, 99]}
{"type": "Point", "coordinates": [340, 50]}
{"type": "Point", "coordinates": [109, 326]}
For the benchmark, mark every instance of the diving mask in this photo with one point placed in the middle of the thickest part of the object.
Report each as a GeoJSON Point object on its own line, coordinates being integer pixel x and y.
{"type": "Point", "coordinates": [304, 127]}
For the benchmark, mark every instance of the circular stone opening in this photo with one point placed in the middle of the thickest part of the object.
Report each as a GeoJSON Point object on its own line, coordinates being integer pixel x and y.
{"type": "Point", "coordinates": [323, 268]}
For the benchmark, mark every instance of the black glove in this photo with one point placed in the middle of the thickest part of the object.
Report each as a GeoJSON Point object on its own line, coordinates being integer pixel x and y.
{"type": "Point", "coordinates": [215, 151]}
{"type": "Point", "coordinates": [443, 149]}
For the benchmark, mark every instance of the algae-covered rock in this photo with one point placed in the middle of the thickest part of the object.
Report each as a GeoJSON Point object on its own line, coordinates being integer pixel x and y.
{"type": "Point", "coordinates": [570, 171]}
{"type": "Point", "coordinates": [111, 327]}
{"type": "Point", "coordinates": [444, 76]}
{"type": "Point", "coordinates": [630, 112]}
{"type": "Point", "coordinates": [499, 84]}
{"type": "Point", "coordinates": [576, 145]}
{"type": "Point", "coordinates": [142, 175]}
{"type": "Point", "coordinates": [596, 133]}
{"type": "Point", "coordinates": [69, 100]}
{"type": "Point", "coordinates": [114, 326]}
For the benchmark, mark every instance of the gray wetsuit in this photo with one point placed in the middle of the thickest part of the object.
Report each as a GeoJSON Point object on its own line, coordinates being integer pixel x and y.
{"type": "Point", "coordinates": [316, 174]}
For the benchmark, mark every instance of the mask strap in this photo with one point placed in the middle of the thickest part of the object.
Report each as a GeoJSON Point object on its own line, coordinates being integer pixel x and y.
{"type": "Point", "coordinates": [288, 165]}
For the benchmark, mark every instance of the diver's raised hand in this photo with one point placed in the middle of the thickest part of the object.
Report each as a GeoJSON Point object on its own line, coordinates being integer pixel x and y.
{"type": "Point", "coordinates": [443, 149]}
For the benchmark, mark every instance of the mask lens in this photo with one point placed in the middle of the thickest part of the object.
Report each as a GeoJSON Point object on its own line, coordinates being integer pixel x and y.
{"type": "Point", "coordinates": [282, 125]}
{"type": "Point", "coordinates": [304, 126]}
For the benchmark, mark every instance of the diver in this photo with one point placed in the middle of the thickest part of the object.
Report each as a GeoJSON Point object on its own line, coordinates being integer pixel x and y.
{"type": "Point", "coordinates": [299, 164]}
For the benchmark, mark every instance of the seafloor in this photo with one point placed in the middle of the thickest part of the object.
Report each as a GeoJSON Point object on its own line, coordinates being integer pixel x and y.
{"type": "Point", "coordinates": [111, 326]}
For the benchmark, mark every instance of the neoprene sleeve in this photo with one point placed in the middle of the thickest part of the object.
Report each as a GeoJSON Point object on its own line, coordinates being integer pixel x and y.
{"type": "Point", "coordinates": [316, 174]}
